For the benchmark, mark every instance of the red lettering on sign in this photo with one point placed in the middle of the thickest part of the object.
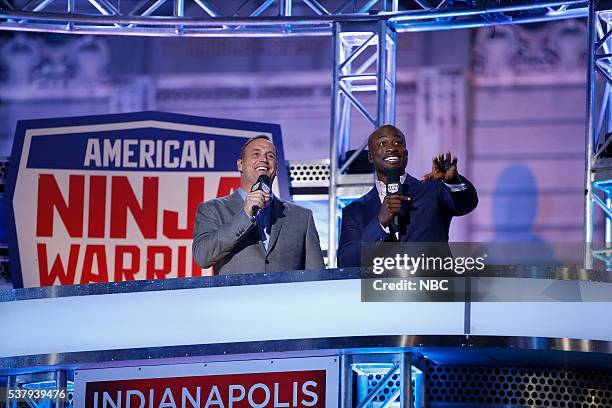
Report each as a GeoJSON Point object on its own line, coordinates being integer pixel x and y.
{"type": "Point", "coordinates": [91, 252]}
{"type": "Point", "coordinates": [195, 195]}
{"type": "Point", "coordinates": [195, 268]}
{"type": "Point", "coordinates": [152, 271]}
{"type": "Point", "coordinates": [289, 389]}
{"type": "Point", "coordinates": [97, 207]}
{"type": "Point", "coordinates": [50, 197]}
{"type": "Point", "coordinates": [121, 271]}
{"type": "Point", "coordinates": [81, 203]}
{"type": "Point", "coordinates": [123, 198]}
{"type": "Point", "coordinates": [66, 277]}
{"type": "Point", "coordinates": [182, 254]}
{"type": "Point", "coordinates": [227, 185]}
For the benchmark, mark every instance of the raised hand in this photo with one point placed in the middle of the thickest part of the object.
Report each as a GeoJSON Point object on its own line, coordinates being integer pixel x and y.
{"type": "Point", "coordinates": [443, 168]}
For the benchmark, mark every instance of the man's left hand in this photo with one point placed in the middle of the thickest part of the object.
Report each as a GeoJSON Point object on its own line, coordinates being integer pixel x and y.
{"type": "Point", "coordinates": [443, 168]}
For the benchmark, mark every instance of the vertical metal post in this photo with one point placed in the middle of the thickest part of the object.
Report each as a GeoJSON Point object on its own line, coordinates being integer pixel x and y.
{"type": "Point", "coordinates": [381, 75]}
{"type": "Point", "coordinates": [406, 400]}
{"type": "Point", "coordinates": [11, 384]}
{"type": "Point", "coordinates": [356, 44]}
{"type": "Point", "coordinates": [336, 118]}
{"type": "Point", "coordinates": [71, 10]}
{"type": "Point", "coordinates": [344, 136]}
{"type": "Point", "coordinates": [179, 11]}
{"type": "Point", "coordinates": [61, 385]}
{"type": "Point", "coordinates": [284, 8]}
{"type": "Point", "coordinates": [419, 390]}
{"type": "Point", "coordinates": [346, 382]}
{"type": "Point", "coordinates": [608, 228]}
{"type": "Point", "coordinates": [179, 8]}
{"type": "Point", "coordinates": [345, 114]}
{"type": "Point", "coordinates": [590, 136]}
{"type": "Point", "coordinates": [391, 69]}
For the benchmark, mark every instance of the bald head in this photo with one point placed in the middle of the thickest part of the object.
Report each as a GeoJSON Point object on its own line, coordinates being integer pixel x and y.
{"type": "Point", "coordinates": [387, 150]}
{"type": "Point", "coordinates": [384, 130]}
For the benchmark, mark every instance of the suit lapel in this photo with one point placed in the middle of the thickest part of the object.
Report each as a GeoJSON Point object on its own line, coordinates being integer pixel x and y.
{"type": "Point", "coordinates": [278, 218]}
{"type": "Point", "coordinates": [373, 203]}
{"type": "Point", "coordinates": [409, 185]}
{"type": "Point", "coordinates": [235, 202]}
{"type": "Point", "coordinates": [408, 189]}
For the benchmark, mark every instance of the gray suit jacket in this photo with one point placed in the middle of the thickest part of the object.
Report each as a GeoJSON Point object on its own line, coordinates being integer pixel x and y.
{"type": "Point", "coordinates": [224, 237]}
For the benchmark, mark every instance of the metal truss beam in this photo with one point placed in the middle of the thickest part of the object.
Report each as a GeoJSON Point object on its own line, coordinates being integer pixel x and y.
{"type": "Point", "coordinates": [598, 163]}
{"type": "Point", "coordinates": [356, 28]}
{"type": "Point", "coordinates": [406, 395]}
{"type": "Point", "coordinates": [29, 386]}
{"type": "Point", "coordinates": [202, 18]}
{"type": "Point", "coordinates": [363, 81]}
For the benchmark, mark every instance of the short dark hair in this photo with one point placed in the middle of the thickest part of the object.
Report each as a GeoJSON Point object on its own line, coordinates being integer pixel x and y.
{"type": "Point", "coordinates": [252, 139]}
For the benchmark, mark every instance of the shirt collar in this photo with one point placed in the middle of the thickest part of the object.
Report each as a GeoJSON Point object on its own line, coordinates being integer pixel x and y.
{"type": "Point", "coordinates": [382, 187]}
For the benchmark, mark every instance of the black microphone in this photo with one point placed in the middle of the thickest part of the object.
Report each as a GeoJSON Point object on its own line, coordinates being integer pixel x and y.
{"type": "Point", "coordinates": [393, 181]}
{"type": "Point", "coordinates": [263, 184]}
{"type": "Point", "coordinates": [394, 187]}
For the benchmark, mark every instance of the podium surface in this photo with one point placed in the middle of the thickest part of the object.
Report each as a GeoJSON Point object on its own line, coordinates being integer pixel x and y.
{"type": "Point", "coordinates": [296, 312]}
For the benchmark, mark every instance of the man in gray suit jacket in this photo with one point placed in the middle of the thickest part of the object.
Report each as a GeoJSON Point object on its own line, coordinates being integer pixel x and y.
{"type": "Point", "coordinates": [233, 236]}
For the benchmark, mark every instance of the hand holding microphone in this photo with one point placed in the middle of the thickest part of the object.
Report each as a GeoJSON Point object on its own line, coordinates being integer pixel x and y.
{"type": "Point", "coordinates": [259, 195]}
{"type": "Point", "coordinates": [392, 204]}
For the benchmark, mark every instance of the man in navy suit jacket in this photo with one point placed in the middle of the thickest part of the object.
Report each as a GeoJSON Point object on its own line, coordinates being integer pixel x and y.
{"type": "Point", "coordinates": [424, 207]}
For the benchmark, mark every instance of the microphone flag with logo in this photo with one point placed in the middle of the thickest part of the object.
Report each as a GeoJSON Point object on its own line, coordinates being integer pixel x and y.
{"type": "Point", "coordinates": [394, 186]}
{"type": "Point", "coordinates": [263, 184]}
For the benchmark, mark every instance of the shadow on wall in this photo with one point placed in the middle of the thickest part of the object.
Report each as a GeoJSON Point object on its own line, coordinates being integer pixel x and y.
{"type": "Point", "coordinates": [515, 206]}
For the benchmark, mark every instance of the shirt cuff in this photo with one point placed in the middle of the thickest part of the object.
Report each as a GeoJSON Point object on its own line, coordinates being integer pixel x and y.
{"type": "Point", "coordinates": [386, 229]}
{"type": "Point", "coordinates": [456, 187]}
{"type": "Point", "coordinates": [250, 217]}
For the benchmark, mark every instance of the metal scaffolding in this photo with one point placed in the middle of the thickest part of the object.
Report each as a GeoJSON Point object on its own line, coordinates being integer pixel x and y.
{"type": "Point", "coordinates": [270, 17]}
{"type": "Point", "coordinates": [364, 62]}
{"type": "Point", "coordinates": [363, 35]}
{"type": "Point", "coordinates": [387, 369]}
{"type": "Point", "coordinates": [364, 44]}
{"type": "Point", "coordinates": [598, 160]}
{"type": "Point", "coordinates": [364, 55]}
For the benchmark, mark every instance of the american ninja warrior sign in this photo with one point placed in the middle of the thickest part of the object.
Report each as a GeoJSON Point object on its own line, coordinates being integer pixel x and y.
{"type": "Point", "coordinates": [279, 383]}
{"type": "Point", "coordinates": [113, 198]}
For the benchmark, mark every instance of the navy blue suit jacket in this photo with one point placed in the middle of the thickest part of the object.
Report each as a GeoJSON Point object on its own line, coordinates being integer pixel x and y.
{"type": "Point", "coordinates": [427, 216]}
